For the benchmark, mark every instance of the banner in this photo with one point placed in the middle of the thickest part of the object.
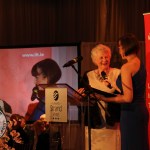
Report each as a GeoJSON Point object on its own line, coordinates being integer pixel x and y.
{"type": "Point", "coordinates": [147, 54]}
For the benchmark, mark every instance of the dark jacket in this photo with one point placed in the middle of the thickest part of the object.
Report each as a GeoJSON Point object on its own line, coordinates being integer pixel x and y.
{"type": "Point", "coordinates": [113, 109]}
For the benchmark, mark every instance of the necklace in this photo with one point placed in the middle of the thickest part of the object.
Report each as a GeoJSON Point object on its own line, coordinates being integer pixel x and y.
{"type": "Point", "coordinates": [99, 77]}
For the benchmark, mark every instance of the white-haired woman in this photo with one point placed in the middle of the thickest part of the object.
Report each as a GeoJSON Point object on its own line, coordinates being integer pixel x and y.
{"type": "Point", "coordinates": [105, 133]}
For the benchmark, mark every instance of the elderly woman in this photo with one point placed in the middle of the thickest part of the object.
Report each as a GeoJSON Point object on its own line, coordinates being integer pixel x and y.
{"type": "Point", "coordinates": [105, 129]}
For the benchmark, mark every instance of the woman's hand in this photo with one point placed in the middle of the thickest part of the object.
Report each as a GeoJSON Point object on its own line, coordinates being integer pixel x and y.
{"type": "Point", "coordinates": [82, 91]}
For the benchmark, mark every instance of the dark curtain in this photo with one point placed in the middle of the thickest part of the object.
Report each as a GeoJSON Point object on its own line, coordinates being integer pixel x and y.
{"type": "Point", "coordinates": [26, 22]}
{"type": "Point", "coordinates": [125, 16]}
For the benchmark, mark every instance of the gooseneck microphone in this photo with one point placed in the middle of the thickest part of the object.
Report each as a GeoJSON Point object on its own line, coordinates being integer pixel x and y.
{"type": "Point", "coordinates": [73, 61]}
{"type": "Point", "coordinates": [104, 76]}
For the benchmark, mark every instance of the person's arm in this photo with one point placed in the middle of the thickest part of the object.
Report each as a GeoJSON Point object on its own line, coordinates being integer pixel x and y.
{"type": "Point", "coordinates": [127, 96]}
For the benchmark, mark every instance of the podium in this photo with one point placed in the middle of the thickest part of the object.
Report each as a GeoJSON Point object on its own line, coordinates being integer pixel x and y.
{"type": "Point", "coordinates": [62, 105]}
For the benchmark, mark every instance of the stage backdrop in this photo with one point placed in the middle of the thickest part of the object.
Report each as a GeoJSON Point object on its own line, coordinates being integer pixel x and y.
{"type": "Point", "coordinates": [147, 44]}
{"type": "Point", "coordinates": [15, 72]}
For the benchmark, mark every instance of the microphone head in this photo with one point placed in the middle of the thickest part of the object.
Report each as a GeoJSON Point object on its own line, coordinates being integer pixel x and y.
{"type": "Point", "coordinates": [37, 94]}
{"type": "Point", "coordinates": [34, 93]}
{"type": "Point", "coordinates": [73, 61]}
{"type": "Point", "coordinates": [103, 74]}
{"type": "Point", "coordinates": [77, 59]}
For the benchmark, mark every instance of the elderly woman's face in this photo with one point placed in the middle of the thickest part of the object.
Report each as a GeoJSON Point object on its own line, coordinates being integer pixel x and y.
{"type": "Point", "coordinates": [102, 59]}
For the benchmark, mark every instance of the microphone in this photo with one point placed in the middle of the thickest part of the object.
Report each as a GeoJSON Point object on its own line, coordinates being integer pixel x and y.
{"type": "Point", "coordinates": [104, 76]}
{"type": "Point", "coordinates": [34, 94]}
{"type": "Point", "coordinates": [73, 61]}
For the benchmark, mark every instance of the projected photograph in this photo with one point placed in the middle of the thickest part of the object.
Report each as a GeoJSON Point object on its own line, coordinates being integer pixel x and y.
{"type": "Point", "coordinates": [15, 72]}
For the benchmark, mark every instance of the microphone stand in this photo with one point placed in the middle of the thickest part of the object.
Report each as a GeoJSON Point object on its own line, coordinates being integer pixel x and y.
{"type": "Point", "coordinates": [90, 91]}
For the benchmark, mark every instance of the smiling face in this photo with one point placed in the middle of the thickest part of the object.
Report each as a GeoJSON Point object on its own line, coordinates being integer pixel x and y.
{"type": "Point", "coordinates": [101, 57]}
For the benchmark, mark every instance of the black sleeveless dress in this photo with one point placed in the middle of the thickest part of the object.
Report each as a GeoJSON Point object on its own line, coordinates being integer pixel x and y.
{"type": "Point", "coordinates": [134, 115]}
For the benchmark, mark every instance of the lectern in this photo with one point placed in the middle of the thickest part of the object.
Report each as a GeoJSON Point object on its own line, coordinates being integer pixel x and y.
{"type": "Point", "coordinates": [62, 105]}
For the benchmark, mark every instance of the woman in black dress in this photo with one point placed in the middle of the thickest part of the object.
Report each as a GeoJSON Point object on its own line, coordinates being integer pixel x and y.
{"type": "Point", "coordinates": [132, 81]}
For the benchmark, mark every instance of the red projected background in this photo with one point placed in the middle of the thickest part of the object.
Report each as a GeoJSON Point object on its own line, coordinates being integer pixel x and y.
{"type": "Point", "coordinates": [15, 72]}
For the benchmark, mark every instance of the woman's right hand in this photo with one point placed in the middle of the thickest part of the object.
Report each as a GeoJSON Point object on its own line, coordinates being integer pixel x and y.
{"type": "Point", "coordinates": [81, 93]}
{"type": "Point", "coordinates": [81, 90]}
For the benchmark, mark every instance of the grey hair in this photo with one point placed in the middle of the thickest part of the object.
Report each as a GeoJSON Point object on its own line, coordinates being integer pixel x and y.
{"type": "Point", "coordinates": [98, 48]}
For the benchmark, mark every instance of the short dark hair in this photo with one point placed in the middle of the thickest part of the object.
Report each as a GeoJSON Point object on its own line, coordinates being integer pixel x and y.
{"type": "Point", "coordinates": [49, 68]}
{"type": "Point", "coordinates": [129, 43]}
